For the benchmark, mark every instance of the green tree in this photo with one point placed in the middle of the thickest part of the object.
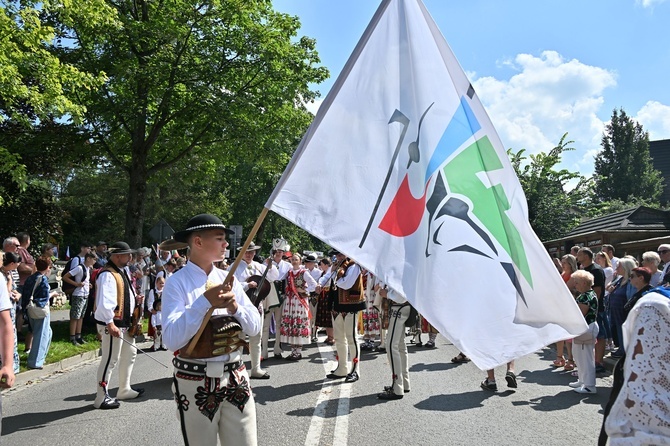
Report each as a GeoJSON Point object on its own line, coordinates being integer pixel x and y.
{"type": "Point", "coordinates": [623, 169]}
{"type": "Point", "coordinates": [34, 83]}
{"type": "Point", "coordinates": [189, 81]}
{"type": "Point", "coordinates": [552, 209]}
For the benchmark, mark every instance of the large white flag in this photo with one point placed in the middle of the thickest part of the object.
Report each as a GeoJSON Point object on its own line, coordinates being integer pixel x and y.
{"type": "Point", "coordinates": [403, 171]}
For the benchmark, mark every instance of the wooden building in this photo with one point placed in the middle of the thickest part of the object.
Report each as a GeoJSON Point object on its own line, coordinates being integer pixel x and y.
{"type": "Point", "coordinates": [631, 232]}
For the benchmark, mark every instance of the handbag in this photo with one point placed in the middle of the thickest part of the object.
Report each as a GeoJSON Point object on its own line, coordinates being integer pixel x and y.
{"type": "Point", "coordinates": [35, 312]}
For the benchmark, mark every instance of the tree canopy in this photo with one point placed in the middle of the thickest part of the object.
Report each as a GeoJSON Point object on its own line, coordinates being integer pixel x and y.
{"type": "Point", "coordinates": [623, 169]}
{"type": "Point", "coordinates": [553, 208]}
{"type": "Point", "coordinates": [211, 80]}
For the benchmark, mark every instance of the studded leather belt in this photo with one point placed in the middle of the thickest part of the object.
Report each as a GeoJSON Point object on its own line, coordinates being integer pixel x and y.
{"type": "Point", "coordinates": [200, 368]}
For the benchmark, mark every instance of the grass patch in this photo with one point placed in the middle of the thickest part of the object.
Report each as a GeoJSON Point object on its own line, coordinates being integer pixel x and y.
{"type": "Point", "coordinates": [61, 347]}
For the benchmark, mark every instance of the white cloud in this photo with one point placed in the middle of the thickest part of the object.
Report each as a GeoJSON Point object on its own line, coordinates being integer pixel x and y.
{"type": "Point", "coordinates": [548, 97]}
{"type": "Point", "coordinates": [655, 118]}
{"type": "Point", "coordinates": [313, 107]}
{"type": "Point", "coordinates": [649, 3]}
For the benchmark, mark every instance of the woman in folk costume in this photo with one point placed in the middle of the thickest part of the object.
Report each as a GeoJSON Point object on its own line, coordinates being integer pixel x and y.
{"type": "Point", "coordinates": [324, 318]}
{"type": "Point", "coordinates": [295, 319]}
{"type": "Point", "coordinates": [371, 326]}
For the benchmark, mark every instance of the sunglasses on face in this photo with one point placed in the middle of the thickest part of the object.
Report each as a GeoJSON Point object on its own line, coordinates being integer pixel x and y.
{"type": "Point", "coordinates": [663, 251]}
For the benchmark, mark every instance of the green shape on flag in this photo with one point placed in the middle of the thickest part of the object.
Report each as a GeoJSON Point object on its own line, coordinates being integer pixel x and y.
{"type": "Point", "coordinates": [489, 204]}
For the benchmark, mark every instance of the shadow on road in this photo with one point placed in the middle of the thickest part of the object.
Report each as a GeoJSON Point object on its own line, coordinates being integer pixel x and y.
{"type": "Point", "coordinates": [565, 400]}
{"type": "Point", "coordinates": [38, 420]}
{"type": "Point", "coordinates": [435, 367]}
{"type": "Point", "coordinates": [459, 401]}
{"type": "Point", "coordinates": [158, 389]}
{"type": "Point", "coordinates": [267, 394]}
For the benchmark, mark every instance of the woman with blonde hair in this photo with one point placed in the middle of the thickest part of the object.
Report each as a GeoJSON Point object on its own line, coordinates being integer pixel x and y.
{"type": "Point", "coordinates": [620, 291]}
{"type": "Point", "coordinates": [583, 346]}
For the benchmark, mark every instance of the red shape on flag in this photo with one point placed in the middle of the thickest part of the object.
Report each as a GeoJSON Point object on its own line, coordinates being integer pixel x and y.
{"type": "Point", "coordinates": [405, 212]}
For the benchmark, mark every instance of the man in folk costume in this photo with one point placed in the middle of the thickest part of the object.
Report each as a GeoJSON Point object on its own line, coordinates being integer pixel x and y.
{"type": "Point", "coordinates": [347, 298]}
{"type": "Point", "coordinates": [310, 264]}
{"type": "Point", "coordinates": [399, 311]}
{"type": "Point", "coordinates": [210, 384]}
{"type": "Point", "coordinates": [115, 300]}
{"type": "Point", "coordinates": [275, 299]}
{"type": "Point", "coordinates": [247, 268]}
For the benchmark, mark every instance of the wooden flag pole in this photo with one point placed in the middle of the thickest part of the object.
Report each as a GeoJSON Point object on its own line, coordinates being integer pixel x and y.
{"type": "Point", "coordinates": [229, 279]}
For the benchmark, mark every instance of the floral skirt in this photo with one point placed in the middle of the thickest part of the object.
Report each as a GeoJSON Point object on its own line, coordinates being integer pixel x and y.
{"type": "Point", "coordinates": [370, 322]}
{"type": "Point", "coordinates": [294, 328]}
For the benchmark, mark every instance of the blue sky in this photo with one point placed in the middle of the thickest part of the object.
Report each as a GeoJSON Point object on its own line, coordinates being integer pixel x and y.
{"type": "Point", "coordinates": [540, 68]}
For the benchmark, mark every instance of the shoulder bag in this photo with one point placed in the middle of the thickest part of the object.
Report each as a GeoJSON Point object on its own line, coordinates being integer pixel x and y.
{"type": "Point", "coordinates": [35, 312]}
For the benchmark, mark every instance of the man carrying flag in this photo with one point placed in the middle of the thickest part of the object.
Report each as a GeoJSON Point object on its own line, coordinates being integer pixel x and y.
{"type": "Point", "coordinates": [433, 186]}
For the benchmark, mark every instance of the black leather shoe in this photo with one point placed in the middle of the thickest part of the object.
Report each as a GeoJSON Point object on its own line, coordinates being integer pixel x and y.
{"type": "Point", "coordinates": [334, 376]}
{"type": "Point", "coordinates": [110, 403]}
{"type": "Point", "coordinates": [265, 375]}
{"type": "Point", "coordinates": [278, 356]}
{"type": "Point", "coordinates": [351, 377]}
{"type": "Point", "coordinates": [139, 391]}
{"type": "Point", "coordinates": [389, 395]}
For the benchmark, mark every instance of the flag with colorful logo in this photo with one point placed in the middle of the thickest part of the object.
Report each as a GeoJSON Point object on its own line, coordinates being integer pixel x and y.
{"type": "Point", "coordinates": [403, 171]}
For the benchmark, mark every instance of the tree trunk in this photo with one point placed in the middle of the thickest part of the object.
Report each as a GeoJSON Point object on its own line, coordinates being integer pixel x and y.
{"type": "Point", "coordinates": [137, 193]}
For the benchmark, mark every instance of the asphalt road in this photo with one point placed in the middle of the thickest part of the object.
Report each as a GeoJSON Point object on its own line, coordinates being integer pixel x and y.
{"type": "Point", "coordinates": [298, 406]}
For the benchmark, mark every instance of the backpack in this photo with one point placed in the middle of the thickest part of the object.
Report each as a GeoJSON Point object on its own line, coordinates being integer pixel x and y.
{"type": "Point", "coordinates": [66, 287]}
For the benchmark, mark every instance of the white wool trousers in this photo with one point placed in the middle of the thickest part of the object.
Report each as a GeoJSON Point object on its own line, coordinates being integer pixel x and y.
{"type": "Point", "coordinates": [396, 348]}
{"type": "Point", "coordinates": [346, 343]}
{"type": "Point", "coordinates": [114, 351]}
{"type": "Point", "coordinates": [215, 409]}
{"type": "Point", "coordinates": [267, 321]}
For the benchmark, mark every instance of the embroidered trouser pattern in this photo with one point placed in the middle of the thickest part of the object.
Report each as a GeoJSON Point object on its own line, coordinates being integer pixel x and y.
{"type": "Point", "coordinates": [346, 342]}
{"type": "Point", "coordinates": [396, 349]}
{"type": "Point", "coordinates": [114, 351]}
{"type": "Point", "coordinates": [215, 407]}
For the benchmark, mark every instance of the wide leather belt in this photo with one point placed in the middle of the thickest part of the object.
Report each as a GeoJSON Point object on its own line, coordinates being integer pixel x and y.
{"type": "Point", "coordinates": [200, 367]}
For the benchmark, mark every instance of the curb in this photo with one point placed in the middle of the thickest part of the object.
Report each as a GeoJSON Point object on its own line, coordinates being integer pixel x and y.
{"type": "Point", "coordinates": [32, 376]}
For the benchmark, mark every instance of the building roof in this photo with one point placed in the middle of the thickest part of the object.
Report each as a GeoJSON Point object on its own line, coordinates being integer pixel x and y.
{"type": "Point", "coordinates": [634, 219]}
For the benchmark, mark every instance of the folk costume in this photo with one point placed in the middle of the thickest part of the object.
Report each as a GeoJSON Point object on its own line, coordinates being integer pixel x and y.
{"type": "Point", "coordinates": [296, 314]}
{"type": "Point", "coordinates": [275, 300]}
{"type": "Point", "coordinates": [245, 271]}
{"type": "Point", "coordinates": [371, 321]}
{"type": "Point", "coordinates": [156, 306]}
{"type": "Point", "coordinates": [313, 296]}
{"type": "Point", "coordinates": [426, 327]}
{"type": "Point", "coordinates": [346, 298]}
{"type": "Point", "coordinates": [324, 316]}
{"type": "Point", "coordinates": [212, 392]}
{"type": "Point", "coordinates": [115, 300]}
{"type": "Point", "coordinates": [396, 349]}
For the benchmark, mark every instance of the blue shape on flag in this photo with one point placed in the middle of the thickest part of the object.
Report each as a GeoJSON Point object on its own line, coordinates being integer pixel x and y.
{"type": "Point", "coordinates": [462, 126]}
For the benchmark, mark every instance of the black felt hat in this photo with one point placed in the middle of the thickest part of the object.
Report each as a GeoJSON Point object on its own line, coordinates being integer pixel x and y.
{"type": "Point", "coordinates": [201, 222]}
{"type": "Point", "coordinates": [120, 248]}
{"type": "Point", "coordinates": [333, 252]}
{"type": "Point", "coordinates": [309, 258]}
{"type": "Point", "coordinates": [252, 247]}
